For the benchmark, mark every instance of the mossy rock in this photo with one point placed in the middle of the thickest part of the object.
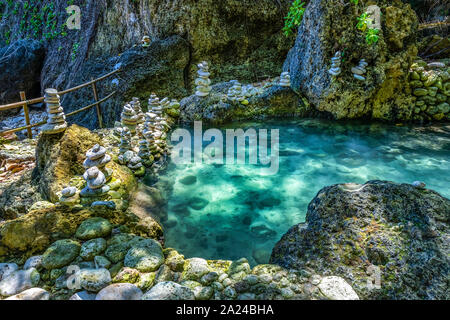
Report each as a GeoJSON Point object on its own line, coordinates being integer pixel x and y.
{"type": "Point", "coordinates": [92, 248]}
{"type": "Point", "coordinates": [94, 228]}
{"type": "Point", "coordinates": [60, 254]}
{"type": "Point", "coordinates": [145, 255]}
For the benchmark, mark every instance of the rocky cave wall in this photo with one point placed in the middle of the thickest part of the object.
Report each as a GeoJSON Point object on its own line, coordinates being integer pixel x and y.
{"type": "Point", "coordinates": [241, 40]}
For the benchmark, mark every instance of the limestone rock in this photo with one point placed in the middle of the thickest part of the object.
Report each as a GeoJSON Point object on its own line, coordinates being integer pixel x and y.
{"type": "Point", "coordinates": [33, 262]}
{"type": "Point", "coordinates": [83, 295]}
{"type": "Point", "coordinates": [335, 288]}
{"type": "Point", "coordinates": [6, 269]}
{"type": "Point", "coordinates": [60, 254]}
{"type": "Point", "coordinates": [145, 256]}
{"type": "Point", "coordinates": [91, 228]}
{"type": "Point", "coordinates": [169, 291]}
{"type": "Point", "coordinates": [92, 248]}
{"type": "Point", "coordinates": [194, 269]}
{"type": "Point", "coordinates": [120, 291]}
{"type": "Point", "coordinates": [31, 294]}
{"type": "Point", "coordinates": [19, 281]}
{"type": "Point", "coordinates": [94, 279]}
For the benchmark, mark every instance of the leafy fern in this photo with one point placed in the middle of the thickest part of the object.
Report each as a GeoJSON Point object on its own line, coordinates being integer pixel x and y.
{"type": "Point", "coordinates": [294, 17]}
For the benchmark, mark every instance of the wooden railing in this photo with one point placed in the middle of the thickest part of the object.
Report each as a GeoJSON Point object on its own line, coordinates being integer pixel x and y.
{"type": "Point", "coordinates": [24, 103]}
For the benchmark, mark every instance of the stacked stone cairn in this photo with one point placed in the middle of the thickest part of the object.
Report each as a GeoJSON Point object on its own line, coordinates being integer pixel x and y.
{"type": "Point", "coordinates": [154, 105]}
{"type": "Point", "coordinates": [135, 165]}
{"type": "Point", "coordinates": [285, 80]}
{"type": "Point", "coordinates": [430, 87]}
{"type": "Point", "coordinates": [144, 153]}
{"type": "Point", "coordinates": [129, 118]}
{"type": "Point", "coordinates": [125, 141]}
{"type": "Point", "coordinates": [69, 197]}
{"type": "Point", "coordinates": [97, 157]}
{"type": "Point", "coordinates": [249, 91]}
{"type": "Point", "coordinates": [360, 70]}
{"type": "Point", "coordinates": [235, 92]}
{"type": "Point", "coordinates": [96, 183]}
{"type": "Point", "coordinates": [335, 69]}
{"type": "Point", "coordinates": [136, 105]}
{"type": "Point", "coordinates": [56, 121]}
{"type": "Point", "coordinates": [203, 82]}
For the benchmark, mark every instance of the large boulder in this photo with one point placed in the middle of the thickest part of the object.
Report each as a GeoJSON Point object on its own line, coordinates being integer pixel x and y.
{"type": "Point", "coordinates": [21, 64]}
{"type": "Point", "coordinates": [387, 240]}
{"type": "Point", "coordinates": [328, 26]}
{"type": "Point", "coordinates": [274, 102]}
{"type": "Point", "coordinates": [59, 157]}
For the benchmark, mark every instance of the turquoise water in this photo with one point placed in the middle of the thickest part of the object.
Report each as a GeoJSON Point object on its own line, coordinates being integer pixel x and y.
{"type": "Point", "coordinates": [233, 211]}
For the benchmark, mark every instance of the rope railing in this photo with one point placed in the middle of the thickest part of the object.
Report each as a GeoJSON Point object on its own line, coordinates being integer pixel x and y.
{"type": "Point", "coordinates": [25, 103]}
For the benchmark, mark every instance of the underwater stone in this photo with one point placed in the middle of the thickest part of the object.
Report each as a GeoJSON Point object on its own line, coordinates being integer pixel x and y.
{"type": "Point", "coordinates": [188, 180]}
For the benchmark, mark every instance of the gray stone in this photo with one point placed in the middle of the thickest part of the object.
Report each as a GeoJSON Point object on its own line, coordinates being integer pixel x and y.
{"type": "Point", "coordinates": [195, 269]}
{"type": "Point", "coordinates": [120, 291]}
{"type": "Point", "coordinates": [19, 281]}
{"type": "Point", "coordinates": [92, 248]}
{"type": "Point", "coordinates": [6, 269]}
{"type": "Point", "coordinates": [83, 295]}
{"type": "Point", "coordinates": [169, 291]}
{"type": "Point", "coordinates": [31, 294]}
{"type": "Point", "coordinates": [33, 262]}
{"type": "Point", "coordinates": [145, 256]}
{"type": "Point", "coordinates": [101, 262]}
{"type": "Point", "coordinates": [94, 228]}
{"type": "Point", "coordinates": [203, 293]}
{"type": "Point", "coordinates": [336, 288]}
{"type": "Point", "coordinates": [94, 279]}
{"type": "Point", "coordinates": [61, 253]}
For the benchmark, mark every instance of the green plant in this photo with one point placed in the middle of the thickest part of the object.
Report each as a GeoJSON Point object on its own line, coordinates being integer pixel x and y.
{"type": "Point", "coordinates": [75, 48]}
{"type": "Point", "coordinates": [372, 36]}
{"type": "Point", "coordinates": [355, 2]}
{"type": "Point", "coordinates": [294, 17]}
{"type": "Point", "coordinates": [363, 22]}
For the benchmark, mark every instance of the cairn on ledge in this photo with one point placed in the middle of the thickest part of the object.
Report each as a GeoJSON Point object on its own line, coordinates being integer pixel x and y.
{"type": "Point", "coordinates": [285, 80]}
{"type": "Point", "coordinates": [129, 118]}
{"type": "Point", "coordinates": [125, 141]}
{"type": "Point", "coordinates": [335, 65]}
{"type": "Point", "coordinates": [235, 92]}
{"type": "Point", "coordinates": [69, 197]}
{"type": "Point", "coordinates": [203, 82]}
{"type": "Point", "coordinates": [154, 105]}
{"type": "Point", "coordinates": [97, 157]}
{"type": "Point", "coordinates": [95, 183]}
{"type": "Point", "coordinates": [136, 105]}
{"type": "Point", "coordinates": [144, 153]}
{"type": "Point", "coordinates": [360, 70]}
{"type": "Point", "coordinates": [145, 42]}
{"type": "Point", "coordinates": [56, 121]}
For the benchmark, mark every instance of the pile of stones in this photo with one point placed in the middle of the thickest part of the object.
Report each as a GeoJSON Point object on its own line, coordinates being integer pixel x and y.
{"type": "Point", "coordinates": [430, 85]}
{"type": "Point", "coordinates": [360, 70]}
{"type": "Point", "coordinates": [125, 141]}
{"type": "Point", "coordinates": [154, 105]}
{"type": "Point", "coordinates": [129, 118]}
{"type": "Point", "coordinates": [96, 184]}
{"type": "Point", "coordinates": [173, 110]}
{"type": "Point", "coordinates": [145, 42]}
{"type": "Point", "coordinates": [136, 105]}
{"type": "Point", "coordinates": [235, 92]}
{"type": "Point", "coordinates": [135, 165]}
{"type": "Point", "coordinates": [144, 153]}
{"type": "Point", "coordinates": [285, 80]}
{"type": "Point", "coordinates": [203, 82]}
{"type": "Point", "coordinates": [335, 69]}
{"type": "Point", "coordinates": [97, 157]}
{"type": "Point", "coordinates": [56, 121]}
{"type": "Point", "coordinates": [69, 196]}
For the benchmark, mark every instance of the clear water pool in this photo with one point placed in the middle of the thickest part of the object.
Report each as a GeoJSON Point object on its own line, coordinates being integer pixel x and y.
{"type": "Point", "coordinates": [233, 211]}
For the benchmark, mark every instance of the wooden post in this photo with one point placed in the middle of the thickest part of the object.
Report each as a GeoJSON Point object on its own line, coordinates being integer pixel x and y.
{"type": "Point", "coordinates": [23, 97]}
{"type": "Point", "coordinates": [99, 114]}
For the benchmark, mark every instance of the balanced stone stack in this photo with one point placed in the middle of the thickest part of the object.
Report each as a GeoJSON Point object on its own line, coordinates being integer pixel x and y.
{"type": "Point", "coordinates": [285, 80]}
{"type": "Point", "coordinates": [154, 105]}
{"type": "Point", "coordinates": [430, 86]}
{"type": "Point", "coordinates": [129, 118]}
{"type": "Point", "coordinates": [335, 65]}
{"type": "Point", "coordinates": [97, 157]}
{"type": "Point", "coordinates": [144, 153]}
{"type": "Point", "coordinates": [125, 141]}
{"type": "Point", "coordinates": [95, 180]}
{"type": "Point", "coordinates": [203, 82]}
{"type": "Point", "coordinates": [235, 92]}
{"type": "Point", "coordinates": [145, 42]}
{"type": "Point", "coordinates": [136, 105]}
{"type": "Point", "coordinates": [135, 165]}
{"type": "Point", "coordinates": [69, 197]}
{"type": "Point", "coordinates": [360, 70]}
{"type": "Point", "coordinates": [250, 91]}
{"type": "Point", "coordinates": [56, 121]}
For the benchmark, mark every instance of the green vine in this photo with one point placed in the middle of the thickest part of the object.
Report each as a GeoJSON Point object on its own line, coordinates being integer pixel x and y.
{"type": "Point", "coordinates": [294, 17]}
